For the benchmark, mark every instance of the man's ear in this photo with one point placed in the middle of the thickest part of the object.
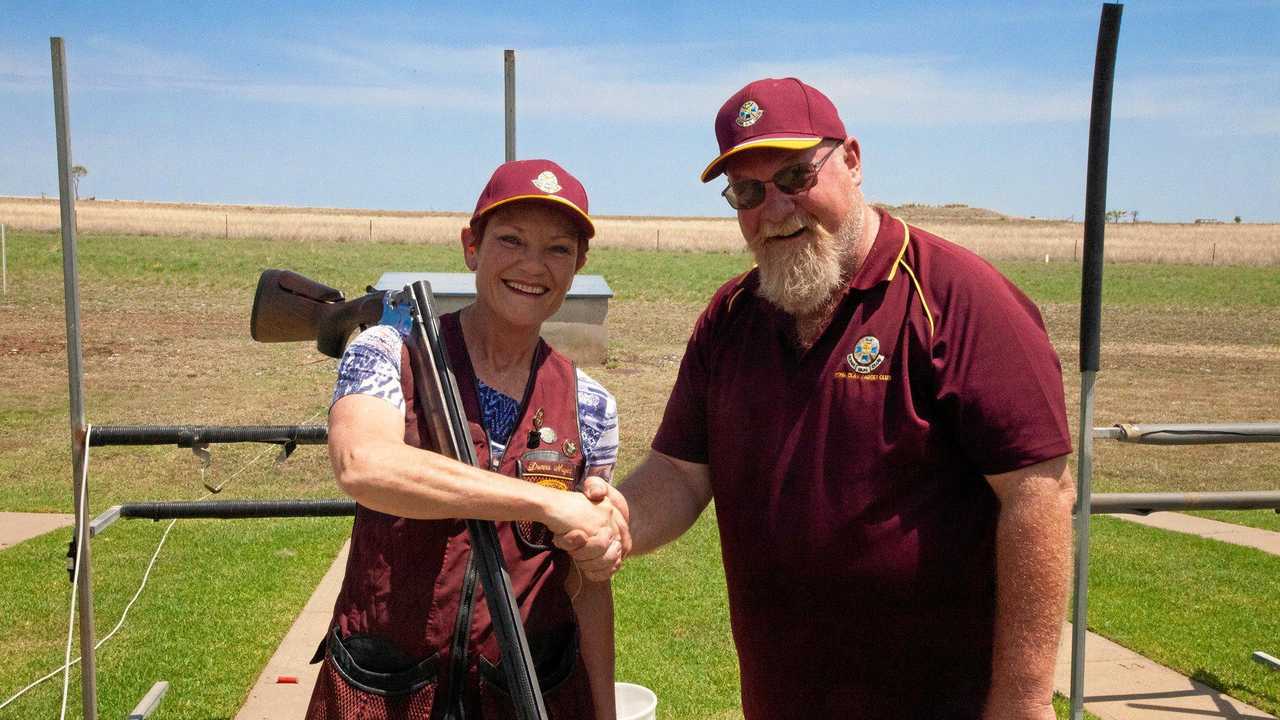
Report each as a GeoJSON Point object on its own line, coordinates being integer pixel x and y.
{"type": "Point", "coordinates": [853, 158]}
{"type": "Point", "coordinates": [470, 245]}
{"type": "Point", "coordinates": [582, 255]}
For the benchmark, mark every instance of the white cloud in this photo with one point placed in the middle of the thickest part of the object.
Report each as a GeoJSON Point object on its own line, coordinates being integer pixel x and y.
{"type": "Point", "coordinates": [678, 83]}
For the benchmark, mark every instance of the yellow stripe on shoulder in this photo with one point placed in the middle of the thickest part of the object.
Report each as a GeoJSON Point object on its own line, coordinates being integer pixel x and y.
{"type": "Point", "coordinates": [906, 238]}
{"type": "Point", "coordinates": [915, 281]}
{"type": "Point", "coordinates": [737, 290]}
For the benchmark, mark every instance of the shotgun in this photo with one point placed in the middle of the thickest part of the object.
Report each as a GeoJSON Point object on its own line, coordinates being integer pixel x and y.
{"type": "Point", "coordinates": [288, 307]}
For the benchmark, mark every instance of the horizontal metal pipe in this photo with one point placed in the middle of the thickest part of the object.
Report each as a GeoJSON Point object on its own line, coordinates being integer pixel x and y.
{"type": "Point", "coordinates": [1266, 660]}
{"type": "Point", "coordinates": [1190, 433]}
{"type": "Point", "coordinates": [150, 701]}
{"type": "Point", "coordinates": [190, 435]}
{"type": "Point", "coordinates": [1144, 503]}
{"type": "Point", "coordinates": [233, 509]}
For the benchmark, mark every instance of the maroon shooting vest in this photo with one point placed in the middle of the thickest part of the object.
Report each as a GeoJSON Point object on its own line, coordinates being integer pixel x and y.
{"type": "Point", "coordinates": [413, 582]}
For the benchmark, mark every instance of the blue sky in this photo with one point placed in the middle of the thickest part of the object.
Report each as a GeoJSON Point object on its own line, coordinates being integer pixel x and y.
{"type": "Point", "coordinates": [399, 106]}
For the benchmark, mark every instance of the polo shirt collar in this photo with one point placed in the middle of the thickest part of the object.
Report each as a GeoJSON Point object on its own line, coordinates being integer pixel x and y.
{"type": "Point", "coordinates": [886, 250]}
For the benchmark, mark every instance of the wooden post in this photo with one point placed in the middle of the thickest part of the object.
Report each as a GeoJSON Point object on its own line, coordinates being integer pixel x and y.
{"type": "Point", "coordinates": [226, 226]}
{"type": "Point", "coordinates": [371, 229]}
{"type": "Point", "coordinates": [657, 241]}
{"type": "Point", "coordinates": [4, 261]}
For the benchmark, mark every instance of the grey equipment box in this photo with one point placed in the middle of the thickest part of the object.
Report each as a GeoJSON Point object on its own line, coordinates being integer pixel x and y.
{"type": "Point", "coordinates": [577, 329]}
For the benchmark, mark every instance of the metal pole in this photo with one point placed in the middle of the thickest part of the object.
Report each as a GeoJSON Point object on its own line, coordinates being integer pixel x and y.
{"type": "Point", "coordinates": [1095, 206]}
{"type": "Point", "coordinates": [75, 377]}
{"type": "Point", "coordinates": [1079, 611]}
{"type": "Point", "coordinates": [509, 66]}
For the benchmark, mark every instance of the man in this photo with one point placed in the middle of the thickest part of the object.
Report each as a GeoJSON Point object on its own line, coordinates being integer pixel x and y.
{"type": "Point", "coordinates": [879, 417]}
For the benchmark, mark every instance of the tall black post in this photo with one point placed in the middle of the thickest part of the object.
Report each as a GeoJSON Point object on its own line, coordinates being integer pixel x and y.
{"type": "Point", "coordinates": [1095, 217]}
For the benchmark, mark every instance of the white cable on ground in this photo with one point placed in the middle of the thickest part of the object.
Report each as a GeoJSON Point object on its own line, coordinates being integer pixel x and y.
{"type": "Point", "coordinates": [66, 666]}
{"type": "Point", "coordinates": [75, 575]}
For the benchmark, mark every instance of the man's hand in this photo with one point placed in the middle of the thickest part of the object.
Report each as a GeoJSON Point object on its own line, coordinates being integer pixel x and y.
{"type": "Point", "coordinates": [592, 524]}
{"type": "Point", "coordinates": [599, 555]}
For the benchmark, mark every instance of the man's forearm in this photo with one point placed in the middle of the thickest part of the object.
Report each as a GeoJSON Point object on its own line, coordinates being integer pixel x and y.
{"type": "Point", "coordinates": [665, 498]}
{"type": "Point", "coordinates": [1033, 569]}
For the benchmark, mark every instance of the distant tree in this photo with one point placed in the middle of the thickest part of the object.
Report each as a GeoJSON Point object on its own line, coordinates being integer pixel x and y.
{"type": "Point", "coordinates": [77, 172]}
{"type": "Point", "coordinates": [1133, 216]}
{"type": "Point", "coordinates": [1237, 219]}
{"type": "Point", "coordinates": [1116, 215]}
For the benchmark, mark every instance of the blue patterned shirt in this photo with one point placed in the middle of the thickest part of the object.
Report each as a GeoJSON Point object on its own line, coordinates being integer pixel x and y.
{"type": "Point", "coordinates": [371, 366]}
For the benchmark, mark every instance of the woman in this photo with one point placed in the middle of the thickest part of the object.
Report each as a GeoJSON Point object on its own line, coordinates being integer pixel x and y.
{"type": "Point", "coordinates": [411, 635]}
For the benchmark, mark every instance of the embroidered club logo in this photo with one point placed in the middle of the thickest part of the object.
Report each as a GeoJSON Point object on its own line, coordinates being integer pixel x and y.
{"type": "Point", "coordinates": [547, 182]}
{"type": "Point", "coordinates": [865, 356]}
{"type": "Point", "coordinates": [749, 113]}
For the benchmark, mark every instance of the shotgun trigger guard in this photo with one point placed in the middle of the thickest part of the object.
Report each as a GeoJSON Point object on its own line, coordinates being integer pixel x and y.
{"type": "Point", "coordinates": [286, 449]}
{"type": "Point", "coordinates": [397, 312]}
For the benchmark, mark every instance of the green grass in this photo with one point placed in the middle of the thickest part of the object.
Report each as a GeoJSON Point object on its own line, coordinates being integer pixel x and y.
{"type": "Point", "coordinates": [673, 632]}
{"type": "Point", "coordinates": [1062, 707]}
{"type": "Point", "coordinates": [1147, 284]}
{"type": "Point", "coordinates": [219, 600]}
{"type": "Point", "coordinates": [1196, 605]}
{"type": "Point", "coordinates": [633, 274]}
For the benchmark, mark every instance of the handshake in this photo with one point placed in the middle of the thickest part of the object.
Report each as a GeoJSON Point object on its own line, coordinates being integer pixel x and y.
{"type": "Point", "coordinates": [592, 526]}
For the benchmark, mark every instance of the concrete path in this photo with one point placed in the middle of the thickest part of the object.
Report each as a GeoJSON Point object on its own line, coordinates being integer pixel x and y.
{"type": "Point", "coordinates": [18, 526]}
{"type": "Point", "coordinates": [270, 699]}
{"type": "Point", "coordinates": [1264, 540]}
{"type": "Point", "coordinates": [1123, 685]}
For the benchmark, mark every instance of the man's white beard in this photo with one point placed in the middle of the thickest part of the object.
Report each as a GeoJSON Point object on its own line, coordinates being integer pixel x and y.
{"type": "Point", "coordinates": [801, 277]}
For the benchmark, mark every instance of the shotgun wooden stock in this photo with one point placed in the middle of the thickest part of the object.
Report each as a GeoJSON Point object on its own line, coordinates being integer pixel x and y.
{"type": "Point", "coordinates": [288, 307]}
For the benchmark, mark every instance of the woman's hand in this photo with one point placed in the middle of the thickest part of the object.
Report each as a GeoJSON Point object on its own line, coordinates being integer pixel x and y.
{"type": "Point", "coordinates": [595, 530]}
{"type": "Point", "coordinates": [599, 558]}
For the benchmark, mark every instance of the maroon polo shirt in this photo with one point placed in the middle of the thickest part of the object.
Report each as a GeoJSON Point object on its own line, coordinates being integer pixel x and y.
{"type": "Point", "coordinates": [856, 525]}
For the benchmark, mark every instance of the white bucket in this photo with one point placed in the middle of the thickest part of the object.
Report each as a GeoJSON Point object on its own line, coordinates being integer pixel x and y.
{"type": "Point", "coordinates": [635, 702]}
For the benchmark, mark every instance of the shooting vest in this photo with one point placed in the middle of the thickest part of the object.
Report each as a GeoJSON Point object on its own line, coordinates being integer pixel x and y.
{"type": "Point", "coordinates": [411, 634]}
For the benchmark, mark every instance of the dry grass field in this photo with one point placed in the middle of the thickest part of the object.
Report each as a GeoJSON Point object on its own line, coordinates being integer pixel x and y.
{"type": "Point", "coordinates": [990, 234]}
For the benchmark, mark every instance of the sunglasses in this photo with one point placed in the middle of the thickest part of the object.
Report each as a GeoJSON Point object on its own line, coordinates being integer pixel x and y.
{"type": "Point", "coordinates": [792, 180]}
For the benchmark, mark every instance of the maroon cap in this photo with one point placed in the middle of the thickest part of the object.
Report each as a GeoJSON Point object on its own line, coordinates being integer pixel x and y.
{"type": "Point", "coordinates": [535, 180]}
{"type": "Point", "coordinates": [773, 113]}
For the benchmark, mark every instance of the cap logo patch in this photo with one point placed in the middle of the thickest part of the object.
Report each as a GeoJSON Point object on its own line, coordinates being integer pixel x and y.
{"type": "Point", "coordinates": [865, 356]}
{"type": "Point", "coordinates": [547, 182]}
{"type": "Point", "coordinates": [749, 113]}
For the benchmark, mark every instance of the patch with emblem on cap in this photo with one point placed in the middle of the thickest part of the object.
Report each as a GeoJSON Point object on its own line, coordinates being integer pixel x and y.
{"type": "Point", "coordinates": [547, 182]}
{"type": "Point", "coordinates": [749, 113]}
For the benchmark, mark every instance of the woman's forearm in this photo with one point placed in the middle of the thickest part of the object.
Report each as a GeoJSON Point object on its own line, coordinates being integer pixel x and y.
{"type": "Point", "coordinates": [593, 603]}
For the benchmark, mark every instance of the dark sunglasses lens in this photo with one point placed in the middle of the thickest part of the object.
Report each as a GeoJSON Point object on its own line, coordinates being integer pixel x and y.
{"type": "Point", "coordinates": [794, 179]}
{"type": "Point", "coordinates": [744, 194]}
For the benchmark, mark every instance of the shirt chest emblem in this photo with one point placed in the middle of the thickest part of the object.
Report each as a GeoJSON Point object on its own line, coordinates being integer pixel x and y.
{"type": "Point", "coordinates": [865, 356]}
{"type": "Point", "coordinates": [864, 359]}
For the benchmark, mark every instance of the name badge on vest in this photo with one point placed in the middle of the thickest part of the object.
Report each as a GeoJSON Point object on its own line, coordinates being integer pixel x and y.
{"type": "Point", "coordinates": [547, 468]}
